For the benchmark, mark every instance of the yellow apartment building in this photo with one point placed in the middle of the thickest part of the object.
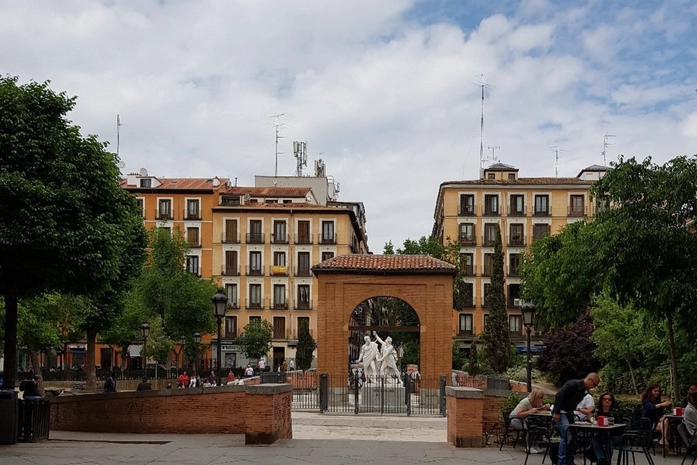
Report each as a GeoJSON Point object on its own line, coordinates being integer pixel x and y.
{"type": "Point", "coordinates": [526, 209]}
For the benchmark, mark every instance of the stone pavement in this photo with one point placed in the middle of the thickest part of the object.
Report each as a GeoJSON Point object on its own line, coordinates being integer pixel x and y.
{"type": "Point", "coordinates": [317, 439]}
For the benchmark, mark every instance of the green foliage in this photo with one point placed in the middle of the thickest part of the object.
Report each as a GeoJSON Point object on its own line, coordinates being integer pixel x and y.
{"type": "Point", "coordinates": [458, 357]}
{"type": "Point", "coordinates": [255, 341]}
{"type": "Point", "coordinates": [306, 345]}
{"type": "Point", "coordinates": [497, 342]}
{"type": "Point", "coordinates": [473, 365]}
{"type": "Point", "coordinates": [411, 354]}
{"type": "Point", "coordinates": [158, 345]}
{"type": "Point", "coordinates": [512, 401]}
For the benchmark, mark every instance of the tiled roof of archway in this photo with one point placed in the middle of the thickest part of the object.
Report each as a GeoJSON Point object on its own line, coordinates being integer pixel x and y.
{"type": "Point", "coordinates": [385, 264]}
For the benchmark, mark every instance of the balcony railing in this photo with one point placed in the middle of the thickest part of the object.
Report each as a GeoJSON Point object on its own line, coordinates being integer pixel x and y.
{"type": "Point", "coordinates": [296, 332]}
{"type": "Point", "coordinates": [541, 212]}
{"type": "Point", "coordinates": [230, 270]}
{"type": "Point", "coordinates": [467, 210]}
{"type": "Point", "coordinates": [303, 305]}
{"type": "Point", "coordinates": [164, 216]}
{"type": "Point", "coordinates": [467, 269]}
{"type": "Point", "coordinates": [468, 302]}
{"type": "Point", "coordinates": [516, 241]}
{"type": "Point", "coordinates": [255, 238]}
{"type": "Point", "coordinates": [487, 270]}
{"type": "Point", "coordinates": [278, 270]}
{"type": "Point", "coordinates": [491, 211]}
{"type": "Point", "coordinates": [279, 238]}
{"type": "Point", "coordinates": [303, 239]}
{"type": "Point", "coordinates": [233, 304]}
{"type": "Point", "coordinates": [468, 240]}
{"type": "Point", "coordinates": [194, 271]}
{"type": "Point", "coordinates": [513, 270]}
{"type": "Point", "coordinates": [254, 305]}
{"type": "Point", "coordinates": [576, 211]}
{"type": "Point", "coordinates": [327, 239]}
{"type": "Point", "coordinates": [303, 272]}
{"type": "Point", "coordinates": [280, 305]}
{"type": "Point", "coordinates": [194, 243]}
{"type": "Point", "coordinates": [513, 211]}
{"type": "Point", "coordinates": [233, 238]}
{"type": "Point", "coordinates": [191, 215]}
{"type": "Point", "coordinates": [488, 241]}
{"type": "Point", "coordinates": [465, 332]}
{"type": "Point", "coordinates": [229, 334]}
{"type": "Point", "coordinates": [281, 334]}
{"type": "Point", "coordinates": [255, 271]}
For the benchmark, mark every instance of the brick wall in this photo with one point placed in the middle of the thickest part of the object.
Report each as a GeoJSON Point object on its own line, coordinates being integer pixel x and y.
{"type": "Point", "coordinates": [465, 408]}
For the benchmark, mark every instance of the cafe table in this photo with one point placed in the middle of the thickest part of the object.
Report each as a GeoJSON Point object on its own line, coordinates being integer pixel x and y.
{"type": "Point", "coordinates": [588, 430]}
{"type": "Point", "coordinates": [674, 439]}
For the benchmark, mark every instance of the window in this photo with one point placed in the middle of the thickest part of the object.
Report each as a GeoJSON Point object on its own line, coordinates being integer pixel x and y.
{"type": "Point", "coordinates": [255, 296]}
{"type": "Point", "coordinates": [255, 319]}
{"type": "Point", "coordinates": [231, 326]}
{"type": "Point", "coordinates": [231, 292]}
{"type": "Point", "coordinates": [192, 210]}
{"type": "Point", "coordinates": [327, 256]}
{"type": "Point", "coordinates": [164, 209]}
{"type": "Point", "coordinates": [488, 264]}
{"type": "Point", "coordinates": [515, 236]}
{"type": "Point", "coordinates": [491, 204]}
{"type": "Point", "coordinates": [514, 323]}
{"type": "Point", "coordinates": [542, 205]}
{"type": "Point", "coordinates": [304, 236]}
{"type": "Point", "coordinates": [255, 268]}
{"type": "Point", "coordinates": [513, 264]}
{"type": "Point", "coordinates": [467, 263]}
{"type": "Point", "coordinates": [303, 264]}
{"type": "Point", "coordinates": [231, 267]}
{"type": "Point", "coordinates": [192, 265]}
{"type": "Point", "coordinates": [303, 300]}
{"type": "Point", "coordinates": [279, 259]}
{"type": "Point", "coordinates": [487, 289]}
{"type": "Point", "coordinates": [513, 294]}
{"type": "Point", "coordinates": [279, 296]}
{"type": "Point", "coordinates": [192, 237]}
{"type": "Point", "coordinates": [486, 319]}
{"type": "Point", "coordinates": [466, 204]}
{"type": "Point", "coordinates": [491, 176]}
{"type": "Point", "coordinates": [303, 321]}
{"type": "Point", "coordinates": [230, 236]}
{"type": "Point", "coordinates": [141, 206]}
{"type": "Point", "coordinates": [279, 233]}
{"type": "Point", "coordinates": [255, 236]}
{"type": "Point", "coordinates": [517, 206]}
{"type": "Point", "coordinates": [146, 183]}
{"type": "Point", "coordinates": [511, 176]}
{"type": "Point", "coordinates": [328, 236]}
{"type": "Point", "coordinates": [467, 236]}
{"type": "Point", "coordinates": [539, 231]}
{"type": "Point", "coordinates": [466, 323]}
{"type": "Point", "coordinates": [576, 207]}
{"type": "Point", "coordinates": [279, 327]}
{"type": "Point", "coordinates": [489, 234]}
{"type": "Point", "coordinates": [601, 204]}
{"type": "Point", "coordinates": [467, 295]}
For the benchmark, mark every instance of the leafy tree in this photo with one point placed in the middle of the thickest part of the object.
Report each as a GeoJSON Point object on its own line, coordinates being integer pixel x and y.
{"type": "Point", "coordinates": [126, 327]}
{"type": "Point", "coordinates": [158, 345]}
{"type": "Point", "coordinates": [497, 342]}
{"type": "Point", "coordinates": [255, 341]}
{"type": "Point", "coordinates": [473, 366]}
{"type": "Point", "coordinates": [61, 215]}
{"type": "Point", "coordinates": [458, 359]}
{"type": "Point", "coordinates": [306, 345]}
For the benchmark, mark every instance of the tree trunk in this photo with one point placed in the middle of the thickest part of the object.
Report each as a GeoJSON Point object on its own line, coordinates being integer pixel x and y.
{"type": "Point", "coordinates": [10, 365]}
{"type": "Point", "coordinates": [673, 359]}
{"type": "Point", "coordinates": [631, 373]}
{"type": "Point", "coordinates": [33, 358]}
{"type": "Point", "coordinates": [90, 371]}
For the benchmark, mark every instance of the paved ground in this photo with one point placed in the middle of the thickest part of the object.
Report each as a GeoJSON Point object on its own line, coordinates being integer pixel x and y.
{"type": "Point", "coordinates": [317, 439]}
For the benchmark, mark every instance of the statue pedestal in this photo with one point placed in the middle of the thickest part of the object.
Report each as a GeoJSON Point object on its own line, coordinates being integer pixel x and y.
{"type": "Point", "coordinates": [385, 399]}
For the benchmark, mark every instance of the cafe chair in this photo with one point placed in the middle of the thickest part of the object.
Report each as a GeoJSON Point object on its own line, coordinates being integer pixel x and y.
{"type": "Point", "coordinates": [639, 441]}
{"type": "Point", "coordinates": [519, 434]}
{"type": "Point", "coordinates": [544, 438]}
{"type": "Point", "coordinates": [690, 443]}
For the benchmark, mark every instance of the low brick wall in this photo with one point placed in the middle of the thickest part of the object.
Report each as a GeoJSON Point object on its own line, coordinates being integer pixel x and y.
{"type": "Point", "coordinates": [260, 412]}
{"type": "Point", "coordinates": [471, 413]}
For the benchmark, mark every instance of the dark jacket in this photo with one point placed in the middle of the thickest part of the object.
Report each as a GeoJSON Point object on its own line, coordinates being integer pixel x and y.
{"type": "Point", "coordinates": [568, 397]}
{"type": "Point", "coordinates": [110, 385]}
{"type": "Point", "coordinates": [144, 386]}
{"type": "Point", "coordinates": [31, 389]}
{"type": "Point", "coordinates": [650, 411]}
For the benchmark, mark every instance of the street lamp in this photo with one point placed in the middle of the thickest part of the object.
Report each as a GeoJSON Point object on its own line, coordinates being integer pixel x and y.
{"type": "Point", "coordinates": [528, 311]}
{"type": "Point", "coordinates": [144, 331]}
{"type": "Point", "coordinates": [219, 307]}
{"type": "Point", "coordinates": [197, 341]}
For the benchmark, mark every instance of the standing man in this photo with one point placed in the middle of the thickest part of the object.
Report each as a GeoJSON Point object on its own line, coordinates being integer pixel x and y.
{"type": "Point", "coordinates": [368, 357]}
{"type": "Point", "coordinates": [566, 400]}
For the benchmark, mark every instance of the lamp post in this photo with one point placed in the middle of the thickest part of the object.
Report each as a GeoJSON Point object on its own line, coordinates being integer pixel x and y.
{"type": "Point", "coordinates": [182, 341]}
{"type": "Point", "coordinates": [528, 311]}
{"type": "Point", "coordinates": [144, 331]}
{"type": "Point", "coordinates": [197, 341]}
{"type": "Point", "coordinates": [219, 307]}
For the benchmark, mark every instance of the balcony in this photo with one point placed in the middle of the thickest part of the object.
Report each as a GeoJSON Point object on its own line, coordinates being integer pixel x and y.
{"type": "Point", "coordinates": [229, 334]}
{"type": "Point", "coordinates": [514, 270]}
{"type": "Point", "coordinates": [230, 270]}
{"type": "Point", "coordinates": [466, 210]}
{"type": "Point", "coordinates": [467, 269]}
{"type": "Point", "coordinates": [191, 215]}
{"type": "Point", "coordinates": [280, 333]}
{"type": "Point", "coordinates": [233, 304]}
{"type": "Point", "coordinates": [280, 305]}
{"type": "Point", "coordinates": [488, 241]}
{"type": "Point", "coordinates": [468, 302]}
{"type": "Point", "coordinates": [543, 212]}
{"type": "Point", "coordinates": [328, 239]}
{"type": "Point", "coordinates": [303, 272]}
{"type": "Point", "coordinates": [303, 239]}
{"type": "Point", "coordinates": [194, 271]}
{"type": "Point", "coordinates": [296, 332]}
{"type": "Point", "coordinates": [279, 238]}
{"type": "Point", "coordinates": [487, 269]}
{"type": "Point", "coordinates": [255, 238]}
{"type": "Point", "coordinates": [194, 243]}
{"type": "Point", "coordinates": [465, 332]}
{"type": "Point", "coordinates": [516, 241]}
{"type": "Point", "coordinates": [468, 240]}
{"type": "Point", "coordinates": [164, 216]}
{"type": "Point", "coordinates": [253, 304]}
{"type": "Point", "coordinates": [489, 211]}
{"type": "Point", "coordinates": [255, 270]}
{"type": "Point", "coordinates": [577, 210]}
{"type": "Point", "coordinates": [232, 238]}
{"type": "Point", "coordinates": [303, 305]}
{"type": "Point", "coordinates": [277, 270]}
{"type": "Point", "coordinates": [513, 211]}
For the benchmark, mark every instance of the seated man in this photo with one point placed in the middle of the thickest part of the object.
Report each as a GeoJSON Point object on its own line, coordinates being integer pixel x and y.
{"type": "Point", "coordinates": [585, 408]}
{"type": "Point", "coordinates": [693, 387]}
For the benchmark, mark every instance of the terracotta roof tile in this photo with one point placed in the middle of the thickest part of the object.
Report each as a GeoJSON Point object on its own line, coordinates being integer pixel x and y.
{"type": "Point", "coordinates": [521, 181]}
{"type": "Point", "coordinates": [269, 191]}
{"type": "Point", "coordinates": [180, 183]}
{"type": "Point", "coordinates": [285, 206]}
{"type": "Point", "coordinates": [385, 263]}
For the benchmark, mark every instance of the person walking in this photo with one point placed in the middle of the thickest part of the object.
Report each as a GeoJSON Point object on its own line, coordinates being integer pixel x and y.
{"type": "Point", "coordinates": [566, 400]}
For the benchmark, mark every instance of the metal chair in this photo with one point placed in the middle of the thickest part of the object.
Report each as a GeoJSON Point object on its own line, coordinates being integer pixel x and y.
{"type": "Point", "coordinates": [506, 414]}
{"type": "Point", "coordinates": [637, 441]}
{"type": "Point", "coordinates": [690, 443]}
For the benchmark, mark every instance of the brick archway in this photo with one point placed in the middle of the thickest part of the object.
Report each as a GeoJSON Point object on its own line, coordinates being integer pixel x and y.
{"type": "Point", "coordinates": [423, 282]}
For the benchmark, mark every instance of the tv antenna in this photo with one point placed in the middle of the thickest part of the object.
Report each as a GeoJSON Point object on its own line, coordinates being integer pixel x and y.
{"type": "Point", "coordinates": [556, 159]}
{"type": "Point", "coordinates": [300, 154]}
{"type": "Point", "coordinates": [277, 125]}
{"type": "Point", "coordinates": [482, 86]}
{"type": "Point", "coordinates": [493, 149]}
{"type": "Point", "coordinates": [118, 133]}
{"type": "Point", "coordinates": [606, 143]}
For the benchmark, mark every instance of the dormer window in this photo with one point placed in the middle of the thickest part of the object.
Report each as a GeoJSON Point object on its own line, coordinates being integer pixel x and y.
{"type": "Point", "coordinates": [146, 183]}
{"type": "Point", "coordinates": [511, 176]}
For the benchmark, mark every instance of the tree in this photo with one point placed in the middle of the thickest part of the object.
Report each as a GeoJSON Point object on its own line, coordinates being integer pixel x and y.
{"type": "Point", "coordinates": [306, 345]}
{"type": "Point", "coordinates": [60, 216]}
{"type": "Point", "coordinates": [497, 342]}
{"type": "Point", "coordinates": [473, 366]}
{"type": "Point", "coordinates": [255, 341]}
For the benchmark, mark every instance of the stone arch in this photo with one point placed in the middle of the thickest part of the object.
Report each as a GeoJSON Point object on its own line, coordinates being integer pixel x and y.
{"type": "Point", "coordinates": [423, 282]}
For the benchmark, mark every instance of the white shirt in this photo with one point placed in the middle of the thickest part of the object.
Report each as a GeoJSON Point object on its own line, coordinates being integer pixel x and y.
{"type": "Point", "coordinates": [585, 403]}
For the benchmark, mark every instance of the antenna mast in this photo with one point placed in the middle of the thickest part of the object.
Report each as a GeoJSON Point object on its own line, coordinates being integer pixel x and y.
{"type": "Point", "coordinates": [481, 129]}
{"type": "Point", "coordinates": [493, 149]}
{"type": "Point", "coordinates": [606, 143]}
{"type": "Point", "coordinates": [300, 153]}
{"type": "Point", "coordinates": [118, 133]}
{"type": "Point", "coordinates": [556, 159]}
{"type": "Point", "coordinates": [277, 125]}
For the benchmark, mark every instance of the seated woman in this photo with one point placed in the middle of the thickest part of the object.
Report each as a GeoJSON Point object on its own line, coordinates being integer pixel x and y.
{"type": "Point", "coordinates": [528, 406]}
{"type": "Point", "coordinates": [652, 408]}
{"type": "Point", "coordinates": [607, 407]}
{"type": "Point", "coordinates": [689, 417]}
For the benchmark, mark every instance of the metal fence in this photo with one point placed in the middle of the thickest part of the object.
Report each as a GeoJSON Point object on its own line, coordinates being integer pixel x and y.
{"type": "Point", "coordinates": [34, 419]}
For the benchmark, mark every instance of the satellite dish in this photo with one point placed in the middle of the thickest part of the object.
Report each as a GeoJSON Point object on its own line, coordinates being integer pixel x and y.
{"type": "Point", "coordinates": [143, 172]}
{"type": "Point", "coordinates": [121, 164]}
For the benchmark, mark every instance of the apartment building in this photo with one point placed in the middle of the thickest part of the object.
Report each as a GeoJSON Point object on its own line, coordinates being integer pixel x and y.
{"type": "Point", "coordinates": [526, 209]}
{"type": "Point", "coordinates": [265, 241]}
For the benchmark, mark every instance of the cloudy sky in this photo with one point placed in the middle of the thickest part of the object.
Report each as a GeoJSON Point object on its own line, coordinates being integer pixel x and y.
{"type": "Point", "coordinates": [386, 92]}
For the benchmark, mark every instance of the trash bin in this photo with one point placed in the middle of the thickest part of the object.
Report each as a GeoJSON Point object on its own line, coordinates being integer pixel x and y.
{"type": "Point", "coordinates": [9, 406]}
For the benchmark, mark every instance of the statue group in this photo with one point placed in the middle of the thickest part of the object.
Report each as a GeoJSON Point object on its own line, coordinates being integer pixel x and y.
{"type": "Point", "coordinates": [380, 361]}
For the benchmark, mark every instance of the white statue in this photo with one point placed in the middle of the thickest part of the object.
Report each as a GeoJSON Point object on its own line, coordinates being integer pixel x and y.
{"type": "Point", "coordinates": [388, 359]}
{"type": "Point", "coordinates": [368, 357]}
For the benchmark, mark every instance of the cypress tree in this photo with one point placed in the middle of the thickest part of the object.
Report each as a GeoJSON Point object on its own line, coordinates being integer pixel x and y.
{"type": "Point", "coordinates": [306, 345]}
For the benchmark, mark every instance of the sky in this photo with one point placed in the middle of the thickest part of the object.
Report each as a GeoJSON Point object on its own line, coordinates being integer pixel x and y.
{"type": "Point", "coordinates": [387, 93]}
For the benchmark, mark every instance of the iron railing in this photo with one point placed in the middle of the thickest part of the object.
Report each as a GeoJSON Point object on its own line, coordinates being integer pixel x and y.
{"type": "Point", "coordinates": [34, 419]}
